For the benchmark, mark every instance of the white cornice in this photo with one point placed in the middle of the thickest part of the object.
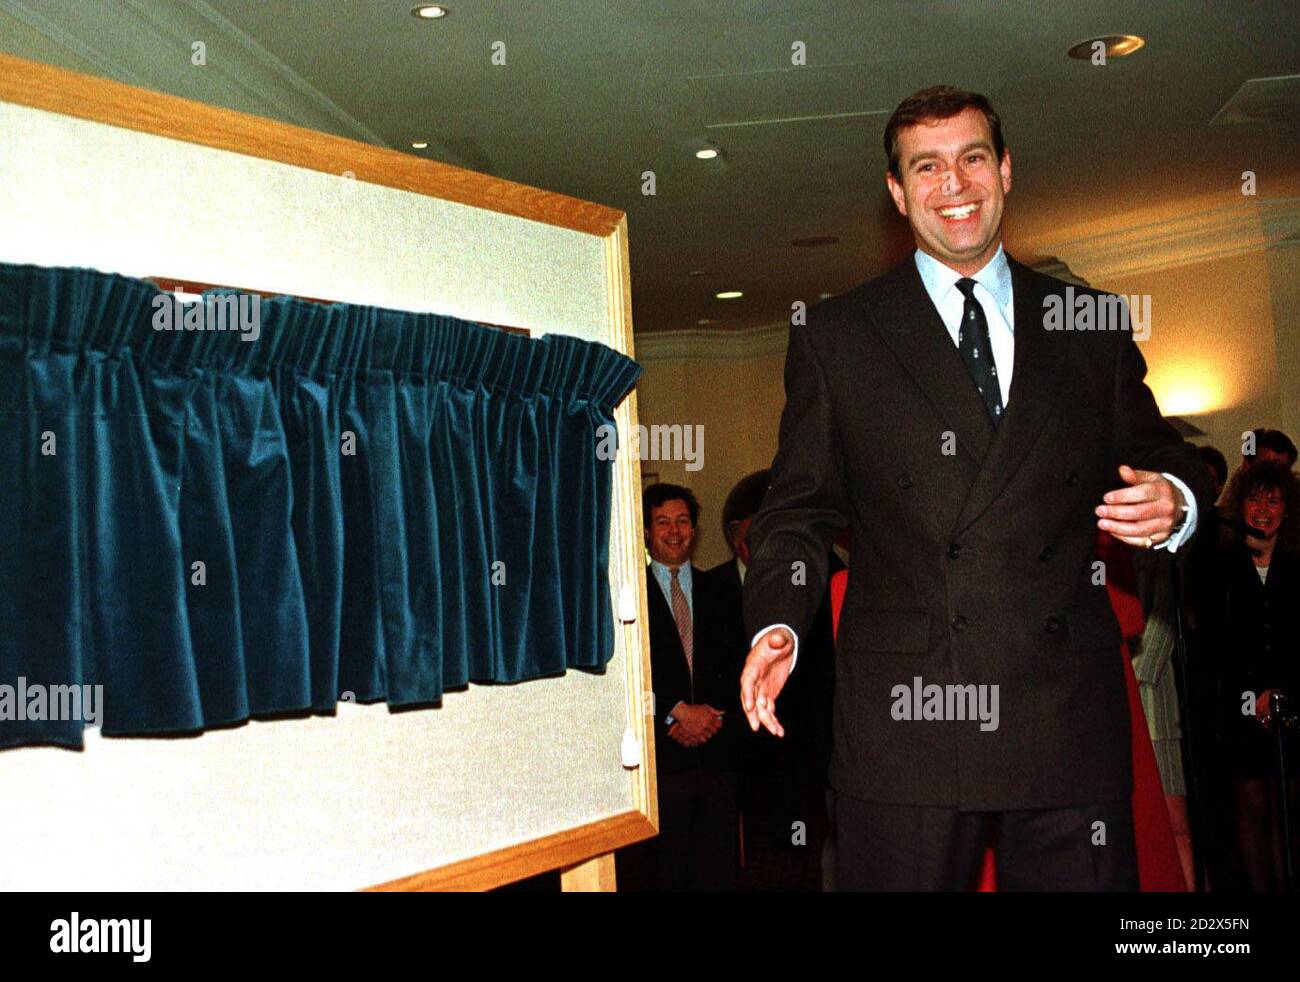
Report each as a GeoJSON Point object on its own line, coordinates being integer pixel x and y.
{"type": "Point", "coordinates": [713, 345]}
{"type": "Point", "coordinates": [70, 42]}
{"type": "Point", "coordinates": [1198, 237]}
{"type": "Point", "coordinates": [157, 56]}
{"type": "Point", "coordinates": [1202, 236]}
{"type": "Point", "coordinates": [278, 84]}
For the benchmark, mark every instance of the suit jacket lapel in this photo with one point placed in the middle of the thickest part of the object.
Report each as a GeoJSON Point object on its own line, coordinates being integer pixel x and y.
{"type": "Point", "coordinates": [911, 326]}
{"type": "Point", "coordinates": [1035, 388]}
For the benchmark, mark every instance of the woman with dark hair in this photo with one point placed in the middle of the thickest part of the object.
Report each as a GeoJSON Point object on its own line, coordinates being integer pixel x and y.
{"type": "Point", "coordinates": [1256, 612]}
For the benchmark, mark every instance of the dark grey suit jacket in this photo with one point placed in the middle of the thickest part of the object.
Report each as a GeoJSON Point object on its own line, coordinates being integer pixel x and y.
{"type": "Point", "coordinates": [972, 567]}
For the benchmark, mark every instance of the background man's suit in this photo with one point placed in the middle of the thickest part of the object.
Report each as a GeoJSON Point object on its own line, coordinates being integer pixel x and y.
{"type": "Point", "coordinates": [717, 658]}
{"type": "Point", "coordinates": [697, 844]}
{"type": "Point", "coordinates": [970, 567]}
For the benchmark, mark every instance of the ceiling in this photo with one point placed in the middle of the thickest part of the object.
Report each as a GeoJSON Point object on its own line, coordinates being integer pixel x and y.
{"type": "Point", "coordinates": [595, 93]}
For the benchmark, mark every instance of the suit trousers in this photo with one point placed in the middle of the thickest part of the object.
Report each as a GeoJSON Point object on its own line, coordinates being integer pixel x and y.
{"type": "Point", "coordinates": [886, 847]}
{"type": "Point", "coordinates": [698, 831]}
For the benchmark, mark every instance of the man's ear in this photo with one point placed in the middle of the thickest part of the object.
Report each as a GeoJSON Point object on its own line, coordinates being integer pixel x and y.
{"type": "Point", "coordinates": [1005, 168]}
{"type": "Point", "coordinates": [896, 192]}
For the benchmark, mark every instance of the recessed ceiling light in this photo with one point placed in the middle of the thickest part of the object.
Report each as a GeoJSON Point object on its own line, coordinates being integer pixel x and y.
{"type": "Point", "coordinates": [1117, 46]}
{"type": "Point", "coordinates": [420, 145]}
{"type": "Point", "coordinates": [730, 295]}
{"type": "Point", "coordinates": [429, 11]}
{"type": "Point", "coordinates": [707, 153]}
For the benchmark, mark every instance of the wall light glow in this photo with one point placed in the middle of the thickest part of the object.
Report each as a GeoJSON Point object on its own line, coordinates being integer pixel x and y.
{"type": "Point", "coordinates": [1189, 390]}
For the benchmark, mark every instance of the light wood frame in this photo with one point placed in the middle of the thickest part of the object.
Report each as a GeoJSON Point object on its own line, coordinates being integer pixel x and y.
{"type": "Point", "coordinates": [583, 854]}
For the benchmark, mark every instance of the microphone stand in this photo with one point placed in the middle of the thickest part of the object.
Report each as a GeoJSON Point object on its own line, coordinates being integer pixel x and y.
{"type": "Point", "coordinates": [1282, 721]}
{"type": "Point", "coordinates": [1196, 813]}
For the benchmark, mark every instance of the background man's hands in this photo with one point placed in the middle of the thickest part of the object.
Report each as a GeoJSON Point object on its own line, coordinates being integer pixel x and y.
{"type": "Point", "coordinates": [766, 669]}
{"type": "Point", "coordinates": [1149, 506]}
{"type": "Point", "coordinates": [695, 724]}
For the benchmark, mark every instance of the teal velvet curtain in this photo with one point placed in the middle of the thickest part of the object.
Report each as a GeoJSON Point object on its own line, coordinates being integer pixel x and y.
{"type": "Point", "coordinates": [385, 505]}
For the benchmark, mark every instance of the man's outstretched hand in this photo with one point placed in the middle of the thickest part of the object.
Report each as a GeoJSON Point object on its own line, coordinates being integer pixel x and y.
{"type": "Point", "coordinates": [1145, 513]}
{"type": "Point", "coordinates": [766, 669]}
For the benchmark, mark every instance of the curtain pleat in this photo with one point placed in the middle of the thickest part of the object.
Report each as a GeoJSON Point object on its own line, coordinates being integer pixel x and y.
{"type": "Point", "coordinates": [360, 504]}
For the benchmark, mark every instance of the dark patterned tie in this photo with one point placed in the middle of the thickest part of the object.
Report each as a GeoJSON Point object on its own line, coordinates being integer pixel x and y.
{"type": "Point", "coordinates": [682, 615]}
{"type": "Point", "coordinates": [977, 352]}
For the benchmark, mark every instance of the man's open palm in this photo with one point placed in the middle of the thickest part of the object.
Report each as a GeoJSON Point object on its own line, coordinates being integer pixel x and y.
{"type": "Point", "coordinates": [766, 669]}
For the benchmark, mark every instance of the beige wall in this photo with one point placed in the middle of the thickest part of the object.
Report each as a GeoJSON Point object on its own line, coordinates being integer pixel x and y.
{"type": "Point", "coordinates": [738, 402]}
{"type": "Point", "coordinates": [1212, 356]}
{"type": "Point", "coordinates": [1284, 284]}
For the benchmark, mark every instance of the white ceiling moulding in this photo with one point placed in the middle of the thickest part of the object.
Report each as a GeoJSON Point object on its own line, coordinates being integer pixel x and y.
{"type": "Point", "coordinates": [1262, 101]}
{"type": "Point", "coordinates": [1217, 233]}
{"type": "Point", "coordinates": [1052, 266]}
{"type": "Point", "coordinates": [786, 120]}
{"type": "Point", "coordinates": [278, 85]}
{"type": "Point", "coordinates": [713, 345]}
{"type": "Point", "coordinates": [768, 341]}
{"type": "Point", "coordinates": [148, 44]}
{"type": "Point", "coordinates": [66, 38]}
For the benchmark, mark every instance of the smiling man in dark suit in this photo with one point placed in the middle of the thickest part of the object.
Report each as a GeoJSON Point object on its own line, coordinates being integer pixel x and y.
{"type": "Point", "coordinates": [973, 452]}
{"type": "Point", "coordinates": [698, 731]}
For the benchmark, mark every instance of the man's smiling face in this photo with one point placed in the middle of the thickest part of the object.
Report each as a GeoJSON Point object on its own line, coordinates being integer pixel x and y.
{"type": "Point", "coordinates": [952, 188]}
{"type": "Point", "coordinates": [670, 533]}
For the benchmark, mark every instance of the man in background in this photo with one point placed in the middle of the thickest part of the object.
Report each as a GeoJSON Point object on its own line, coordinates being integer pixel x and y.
{"type": "Point", "coordinates": [1271, 445]}
{"type": "Point", "coordinates": [1217, 465]}
{"type": "Point", "coordinates": [782, 781]}
{"type": "Point", "coordinates": [698, 724]}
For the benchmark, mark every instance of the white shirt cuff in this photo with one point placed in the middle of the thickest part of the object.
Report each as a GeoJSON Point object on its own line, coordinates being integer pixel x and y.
{"type": "Point", "coordinates": [794, 657]}
{"type": "Point", "coordinates": [1178, 538]}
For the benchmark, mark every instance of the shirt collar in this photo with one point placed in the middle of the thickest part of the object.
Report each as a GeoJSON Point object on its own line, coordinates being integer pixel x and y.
{"type": "Point", "coordinates": [661, 569]}
{"type": "Point", "coordinates": [939, 279]}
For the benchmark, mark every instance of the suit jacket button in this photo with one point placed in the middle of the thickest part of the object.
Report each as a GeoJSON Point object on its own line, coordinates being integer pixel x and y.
{"type": "Point", "coordinates": [1045, 554]}
{"type": "Point", "coordinates": [1052, 625]}
{"type": "Point", "coordinates": [904, 480]}
{"type": "Point", "coordinates": [954, 550]}
{"type": "Point", "coordinates": [1072, 478]}
{"type": "Point", "coordinates": [959, 623]}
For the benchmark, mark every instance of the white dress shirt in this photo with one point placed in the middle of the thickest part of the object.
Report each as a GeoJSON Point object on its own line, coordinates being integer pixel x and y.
{"type": "Point", "coordinates": [664, 577]}
{"type": "Point", "coordinates": [993, 291]}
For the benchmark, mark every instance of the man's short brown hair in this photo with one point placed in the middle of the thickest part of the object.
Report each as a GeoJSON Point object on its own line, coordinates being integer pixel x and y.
{"type": "Point", "coordinates": [937, 102]}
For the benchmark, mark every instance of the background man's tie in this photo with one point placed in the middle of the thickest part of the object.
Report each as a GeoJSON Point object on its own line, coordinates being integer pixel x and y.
{"type": "Point", "coordinates": [682, 615]}
{"type": "Point", "coordinates": [977, 352]}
